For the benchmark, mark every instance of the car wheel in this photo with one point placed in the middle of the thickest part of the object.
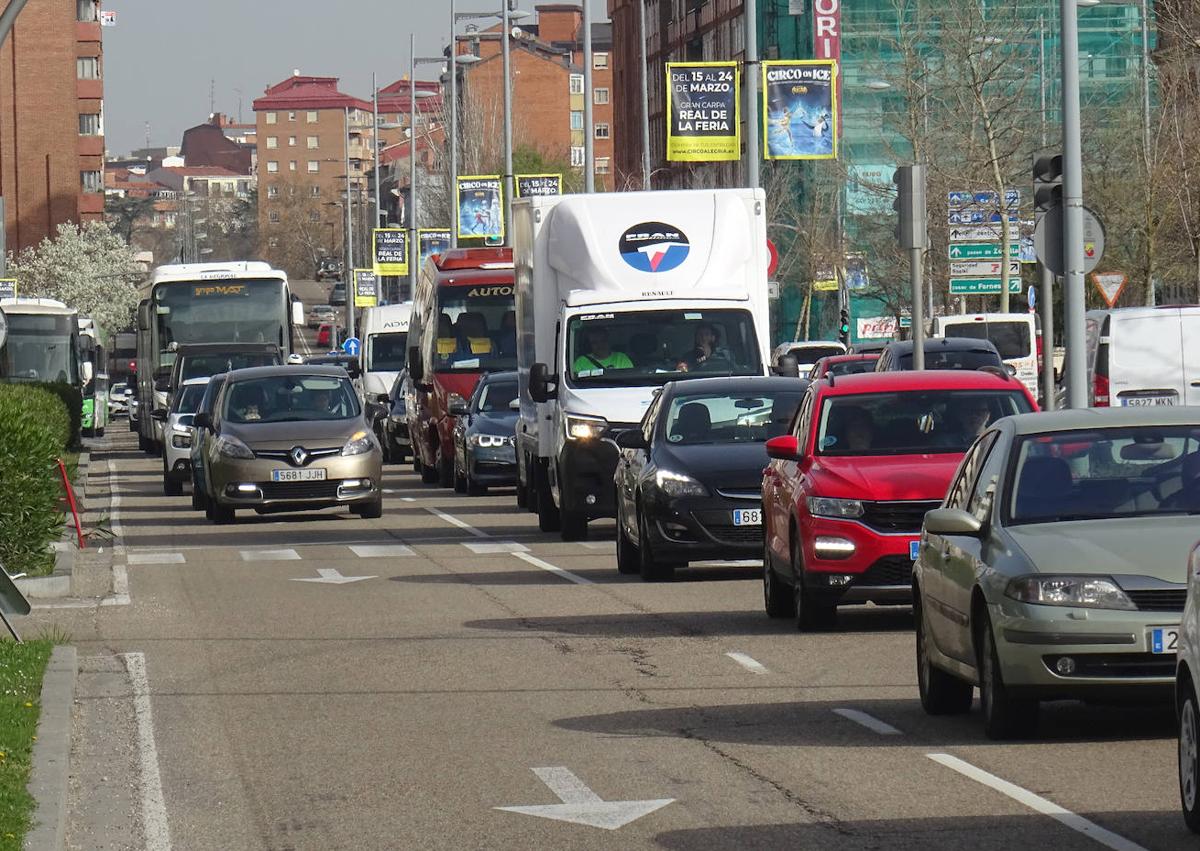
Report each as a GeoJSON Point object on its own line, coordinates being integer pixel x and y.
{"type": "Point", "coordinates": [372, 510]}
{"type": "Point", "coordinates": [222, 515]}
{"type": "Point", "coordinates": [652, 568]}
{"type": "Point", "coordinates": [627, 553]}
{"type": "Point", "coordinates": [1004, 716]}
{"type": "Point", "coordinates": [941, 693]}
{"type": "Point", "coordinates": [460, 481]}
{"type": "Point", "coordinates": [778, 598]}
{"type": "Point", "coordinates": [143, 444]}
{"type": "Point", "coordinates": [445, 471]}
{"type": "Point", "coordinates": [172, 487]}
{"type": "Point", "coordinates": [416, 462]}
{"type": "Point", "coordinates": [474, 488]}
{"type": "Point", "coordinates": [522, 495]}
{"type": "Point", "coordinates": [197, 497]}
{"type": "Point", "coordinates": [429, 473]}
{"type": "Point", "coordinates": [812, 613]}
{"type": "Point", "coordinates": [1189, 758]}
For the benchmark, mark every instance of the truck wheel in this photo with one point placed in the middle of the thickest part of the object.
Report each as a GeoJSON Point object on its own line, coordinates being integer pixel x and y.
{"type": "Point", "coordinates": [574, 526]}
{"type": "Point", "coordinates": [549, 520]}
{"type": "Point", "coordinates": [172, 487]}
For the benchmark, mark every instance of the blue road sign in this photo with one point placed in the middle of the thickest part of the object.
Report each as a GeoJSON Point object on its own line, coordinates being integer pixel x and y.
{"type": "Point", "coordinates": [1031, 297]}
{"type": "Point", "coordinates": [352, 346]}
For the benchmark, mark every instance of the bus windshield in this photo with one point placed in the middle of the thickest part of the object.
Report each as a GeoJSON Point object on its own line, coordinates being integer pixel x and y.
{"type": "Point", "coordinates": [477, 329]}
{"type": "Point", "coordinates": [40, 347]}
{"type": "Point", "coordinates": [224, 311]}
{"type": "Point", "coordinates": [386, 352]}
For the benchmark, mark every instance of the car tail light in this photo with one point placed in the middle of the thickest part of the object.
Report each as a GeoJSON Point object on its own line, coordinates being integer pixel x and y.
{"type": "Point", "coordinates": [1100, 391]}
{"type": "Point", "coordinates": [1039, 352]}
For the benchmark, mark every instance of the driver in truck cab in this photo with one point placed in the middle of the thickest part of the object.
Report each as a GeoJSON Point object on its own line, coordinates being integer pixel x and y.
{"type": "Point", "coordinates": [708, 348]}
{"type": "Point", "coordinates": [600, 356]}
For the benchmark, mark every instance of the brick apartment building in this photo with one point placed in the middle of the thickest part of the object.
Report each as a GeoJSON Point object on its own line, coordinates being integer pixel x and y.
{"type": "Point", "coordinates": [51, 120]}
{"type": "Point", "coordinates": [303, 124]}
{"type": "Point", "coordinates": [547, 92]}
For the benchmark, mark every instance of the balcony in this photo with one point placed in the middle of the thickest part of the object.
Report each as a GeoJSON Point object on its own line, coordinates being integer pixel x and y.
{"type": "Point", "coordinates": [91, 146]}
{"type": "Point", "coordinates": [87, 31]}
{"type": "Point", "coordinates": [91, 203]}
{"type": "Point", "coordinates": [89, 89]}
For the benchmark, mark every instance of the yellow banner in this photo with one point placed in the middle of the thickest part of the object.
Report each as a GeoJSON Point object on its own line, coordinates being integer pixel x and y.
{"type": "Point", "coordinates": [366, 288]}
{"type": "Point", "coordinates": [703, 112]}
{"type": "Point", "coordinates": [389, 251]}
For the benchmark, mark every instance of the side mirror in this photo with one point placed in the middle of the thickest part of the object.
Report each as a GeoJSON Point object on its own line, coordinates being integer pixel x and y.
{"type": "Point", "coordinates": [458, 406]}
{"type": "Point", "coordinates": [297, 312]}
{"type": "Point", "coordinates": [542, 384]}
{"type": "Point", "coordinates": [785, 448]}
{"type": "Point", "coordinates": [952, 521]}
{"type": "Point", "coordinates": [384, 399]}
{"type": "Point", "coordinates": [159, 414]}
{"type": "Point", "coordinates": [354, 368]}
{"type": "Point", "coordinates": [416, 369]}
{"type": "Point", "coordinates": [202, 420]}
{"type": "Point", "coordinates": [632, 439]}
{"type": "Point", "coordinates": [86, 372]}
{"type": "Point", "coordinates": [514, 405]}
{"type": "Point", "coordinates": [788, 367]}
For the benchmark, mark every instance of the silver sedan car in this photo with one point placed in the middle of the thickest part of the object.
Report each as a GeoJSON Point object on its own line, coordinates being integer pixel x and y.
{"type": "Point", "coordinates": [1056, 567]}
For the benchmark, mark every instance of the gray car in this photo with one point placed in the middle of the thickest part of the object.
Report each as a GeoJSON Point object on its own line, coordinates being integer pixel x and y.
{"type": "Point", "coordinates": [1056, 567]}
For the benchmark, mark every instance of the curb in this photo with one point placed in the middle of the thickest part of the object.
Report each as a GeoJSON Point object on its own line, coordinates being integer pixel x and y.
{"type": "Point", "coordinates": [52, 753]}
{"type": "Point", "coordinates": [58, 584]}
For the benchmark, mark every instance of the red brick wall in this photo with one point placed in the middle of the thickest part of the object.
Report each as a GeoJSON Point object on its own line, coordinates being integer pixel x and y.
{"type": "Point", "coordinates": [558, 23]}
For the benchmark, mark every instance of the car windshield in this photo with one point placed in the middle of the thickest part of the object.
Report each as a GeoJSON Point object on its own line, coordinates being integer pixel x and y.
{"type": "Point", "coordinates": [117, 388]}
{"type": "Point", "coordinates": [204, 366]}
{"type": "Point", "coordinates": [724, 418]}
{"type": "Point", "coordinates": [477, 329]}
{"type": "Point", "coordinates": [1106, 473]}
{"type": "Point", "coordinates": [1010, 338]}
{"type": "Point", "coordinates": [913, 422]}
{"type": "Point", "coordinates": [937, 358]}
{"type": "Point", "coordinates": [290, 398]}
{"type": "Point", "coordinates": [188, 399]}
{"type": "Point", "coordinates": [495, 396]}
{"type": "Point", "coordinates": [656, 346]}
{"type": "Point", "coordinates": [386, 352]}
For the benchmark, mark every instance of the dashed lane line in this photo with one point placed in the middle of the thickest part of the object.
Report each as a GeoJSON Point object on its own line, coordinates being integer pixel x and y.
{"type": "Point", "coordinates": [488, 548]}
{"type": "Point", "coordinates": [748, 662]}
{"type": "Point", "coordinates": [156, 558]}
{"type": "Point", "coordinates": [454, 521]}
{"type": "Point", "coordinates": [382, 550]}
{"type": "Point", "coordinates": [555, 569]}
{"type": "Point", "coordinates": [869, 721]}
{"type": "Point", "coordinates": [269, 555]}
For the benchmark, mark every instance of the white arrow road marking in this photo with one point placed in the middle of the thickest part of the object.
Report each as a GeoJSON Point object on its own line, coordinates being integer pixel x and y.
{"type": "Point", "coordinates": [331, 576]}
{"type": "Point", "coordinates": [580, 805]}
{"type": "Point", "coordinates": [1037, 803]}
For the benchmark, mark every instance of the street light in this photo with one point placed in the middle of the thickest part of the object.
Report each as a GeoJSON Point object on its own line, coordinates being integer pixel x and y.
{"type": "Point", "coordinates": [414, 250]}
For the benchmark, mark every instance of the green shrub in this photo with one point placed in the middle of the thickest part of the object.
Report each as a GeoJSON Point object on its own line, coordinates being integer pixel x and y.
{"type": "Point", "coordinates": [34, 426]}
{"type": "Point", "coordinates": [72, 399]}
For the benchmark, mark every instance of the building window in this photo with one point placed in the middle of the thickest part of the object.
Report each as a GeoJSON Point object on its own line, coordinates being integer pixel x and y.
{"type": "Point", "coordinates": [576, 84]}
{"type": "Point", "coordinates": [273, 217]}
{"type": "Point", "coordinates": [601, 131]}
{"type": "Point", "coordinates": [315, 217]}
{"type": "Point", "coordinates": [270, 118]}
{"type": "Point", "coordinates": [600, 96]}
{"type": "Point", "coordinates": [576, 120]}
{"type": "Point", "coordinates": [600, 60]}
{"type": "Point", "coordinates": [89, 124]}
{"type": "Point", "coordinates": [291, 165]}
{"type": "Point", "coordinates": [291, 141]}
{"type": "Point", "coordinates": [91, 181]}
{"type": "Point", "coordinates": [314, 190]}
{"type": "Point", "coordinates": [87, 67]}
{"type": "Point", "coordinates": [86, 10]}
{"type": "Point", "coordinates": [601, 165]}
{"type": "Point", "coordinates": [272, 191]}
{"type": "Point", "coordinates": [272, 142]}
{"type": "Point", "coordinates": [312, 116]}
{"type": "Point", "coordinates": [577, 157]}
{"type": "Point", "coordinates": [272, 166]}
{"type": "Point", "coordinates": [313, 143]}
{"type": "Point", "coordinates": [314, 166]}
{"type": "Point", "coordinates": [291, 116]}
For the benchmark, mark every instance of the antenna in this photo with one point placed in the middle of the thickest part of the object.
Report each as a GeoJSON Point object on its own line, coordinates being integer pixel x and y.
{"type": "Point", "coordinates": [147, 134]}
{"type": "Point", "coordinates": [212, 98]}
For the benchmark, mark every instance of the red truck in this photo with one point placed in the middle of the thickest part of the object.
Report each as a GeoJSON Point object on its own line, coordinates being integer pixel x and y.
{"type": "Point", "coordinates": [463, 325]}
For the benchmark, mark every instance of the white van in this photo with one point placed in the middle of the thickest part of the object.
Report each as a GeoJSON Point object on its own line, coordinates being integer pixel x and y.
{"type": "Point", "coordinates": [1013, 334]}
{"type": "Point", "coordinates": [807, 352]}
{"type": "Point", "coordinates": [384, 333]}
{"type": "Point", "coordinates": [1144, 356]}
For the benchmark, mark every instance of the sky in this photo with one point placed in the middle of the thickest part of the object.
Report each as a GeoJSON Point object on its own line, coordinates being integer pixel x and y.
{"type": "Point", "coordinates": [162, 57]}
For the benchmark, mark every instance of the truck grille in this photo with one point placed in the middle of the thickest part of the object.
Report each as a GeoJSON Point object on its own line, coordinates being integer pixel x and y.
{"type": "Point", "coordinates": [897, 516]}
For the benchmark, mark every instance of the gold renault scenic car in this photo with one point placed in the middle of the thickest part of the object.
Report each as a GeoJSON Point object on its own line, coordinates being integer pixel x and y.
{"type": "Point", "coordinates": [288, 438]}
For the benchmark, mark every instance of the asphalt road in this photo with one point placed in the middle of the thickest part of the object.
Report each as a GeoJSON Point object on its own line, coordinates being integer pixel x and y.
{"type": "Point", "coordinates": [476, 664]}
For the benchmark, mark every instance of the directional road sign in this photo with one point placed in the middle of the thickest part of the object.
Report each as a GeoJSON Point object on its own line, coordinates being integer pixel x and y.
{"type": "Point", "coordinates": [961, 199]}
{"type": "Point", "coordinates": [352, 346]}
{"type": "Point", "coordinates": [980, 251]}
{"type": "Point", "coordinates": [975, 233]}
{"type": "Point", "coordinates": [982, 286]}
{"type": "Point", "coordinates": [982, 268]}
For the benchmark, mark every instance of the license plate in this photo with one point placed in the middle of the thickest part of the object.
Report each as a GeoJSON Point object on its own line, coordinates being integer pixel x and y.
{"type": "Point", "coordinates": [313, 474]}
{"type": "Point", "coordinates": [747, 517]}
{"type": "Point", "coordinates": [914, 548]}
{"type": "Point", "coordinates": [1147, 401]}
{"type": "Point", "coordinates": [1164, 639]}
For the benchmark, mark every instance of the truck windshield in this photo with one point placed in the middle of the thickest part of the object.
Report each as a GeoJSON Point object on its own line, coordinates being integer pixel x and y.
{"type": "Point", "coordinates": [40, 347]}
{"type": "Point", "coordinates": [222, 311]}
{"type": "Point", "coordinates": [1011, 339]}
{"type": "Point", "coordinates": [386, 352]}
{"type": "Point", "coordinates": [477, 329]}
{"type": "Point", "coordinates": [656, 346]}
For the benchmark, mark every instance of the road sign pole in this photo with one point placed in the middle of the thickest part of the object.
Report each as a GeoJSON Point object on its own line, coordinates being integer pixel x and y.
{"type": "Point", "coordinates": [1074, 320]}
{"type": "Point", "coordinates": [915, 262]}
{"type": "Point", "coordinates": [1046, 294]}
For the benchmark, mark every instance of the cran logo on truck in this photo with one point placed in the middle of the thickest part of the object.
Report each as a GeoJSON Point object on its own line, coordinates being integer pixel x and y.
{"type": "Point", "coordinates": [654, 247]}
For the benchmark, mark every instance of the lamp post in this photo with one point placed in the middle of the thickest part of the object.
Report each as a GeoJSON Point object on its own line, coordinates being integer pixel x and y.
{"type": "Point", "coordinates": [589, 143]}
{"type": "Point", "coordinates": [414, 250]}
{"type": "Point", "coordinates": [348, 275]}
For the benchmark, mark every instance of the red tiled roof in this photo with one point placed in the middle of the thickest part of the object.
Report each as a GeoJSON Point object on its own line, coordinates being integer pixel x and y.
{"type": "Point", "coordinates": [299, 92]}
{"type": "Point", "coordinates": [202, 171]}
{"type": "Point", "coordinates": [394, 97]}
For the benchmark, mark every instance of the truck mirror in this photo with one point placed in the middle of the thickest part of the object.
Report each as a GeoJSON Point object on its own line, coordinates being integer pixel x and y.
{"type": "Point", "coordinates": [297, 312]}
{"type": "Point", "coordinates": [416, 369]}
{"type": "Point", "coordinates": [788, 367]}
{"type": "Point", "coordinates": [542, 384]}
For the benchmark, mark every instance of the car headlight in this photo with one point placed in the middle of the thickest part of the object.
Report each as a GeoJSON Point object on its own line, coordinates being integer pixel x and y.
{"type": "Point", "coordinates": [231, 447]}
{"type": "Point", "coordinates": [181, 437]}
{"type": "Point", "coordinates": [822, 506]}
{"type": "Point", "coordinates": [678, 484]}
{"type": "Point", "coordinates": [358, 444]}
{"type": "Point", "coordinates": [1089, 592]}
{"type": "Point", "coordinates": [585, 428]}
{"type": "Point", "coordinates": [488, 441]}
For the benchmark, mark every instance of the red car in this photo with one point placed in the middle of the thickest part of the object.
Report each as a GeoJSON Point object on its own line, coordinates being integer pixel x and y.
{"type": "Point", "coordinates": [325, 336]}
{"type": "Point", "coordinates": [847, 489]}
{"type": "Point", "coordinates": [844, 365]}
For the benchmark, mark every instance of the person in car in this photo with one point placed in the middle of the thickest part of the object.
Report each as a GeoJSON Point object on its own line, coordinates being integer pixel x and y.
{"type": "Point", "coordinates": [968, 419]}
{"type": "Point", "coordinates": [708, 348]}
{"type": "Point", "coordinates": [600, 356]}
{"type": "Point", "coordinates": [249, 404]}
{"type": "Point", "coordinates": [858, 430]}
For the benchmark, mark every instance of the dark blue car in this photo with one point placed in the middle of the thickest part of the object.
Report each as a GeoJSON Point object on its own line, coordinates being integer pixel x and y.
{"type": "Point", "coordinates": [485, 452]}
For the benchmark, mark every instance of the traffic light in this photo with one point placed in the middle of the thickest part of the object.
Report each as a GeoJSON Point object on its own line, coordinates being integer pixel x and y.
{"type": "Point", "coordinates": [1047, 182]}
{"type": "Point", "coordinates": [844, 326]}
{"type": "Point", "coordinates": [910, 204]}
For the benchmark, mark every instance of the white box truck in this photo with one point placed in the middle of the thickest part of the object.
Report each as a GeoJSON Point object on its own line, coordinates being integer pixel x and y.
{"type": "Point", "coordinates": [618, 294]}
{"type": "Point", "coordinates": [384, 331]}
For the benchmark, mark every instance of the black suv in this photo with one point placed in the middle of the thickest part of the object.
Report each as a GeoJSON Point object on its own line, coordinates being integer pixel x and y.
{"type": "Point", "coordinates": [329, 269]}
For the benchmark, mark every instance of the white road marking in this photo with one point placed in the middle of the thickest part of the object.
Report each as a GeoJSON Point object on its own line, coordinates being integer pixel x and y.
{"type": "Point", "coordinates": [454, 521]}
{"type": "Point", "coordinates": [269, 555]}
{"type": "Point", "coordinates": [154, 807]}
{"type": "Point", "coordinates": [381, 550]}
{"type": "Point", "coordinates": [1037, 803]}
{"type": "Point", "coordinates": [749, 663]}
{"type": "Point", "coordinates": [869, 721]}
{"type": "Point", "coordinates": [155, 558]}
{"type": "Point", "coordinates": [557, 571]}
{"type": "Point", "coordinates": [487, 548]}
{"type": "Point", "coordinates": [332, 576]}
{"type": "Point", "coordinates": [120, 589]}
{"type": "Point", "coordinates": [408, 499]}
{"type": "Point", "coordinates": [580, 805]}
{"type": "Point", "coordinates": [599, 545]}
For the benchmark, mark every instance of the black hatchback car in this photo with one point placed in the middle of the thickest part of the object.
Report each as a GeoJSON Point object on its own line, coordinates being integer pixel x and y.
{"type": "Point", "coordinates": [485, 453]}
{"type": "Point", "coordinates": [941, 353]}
{"type": "Point", "coordinates": [689, 480]}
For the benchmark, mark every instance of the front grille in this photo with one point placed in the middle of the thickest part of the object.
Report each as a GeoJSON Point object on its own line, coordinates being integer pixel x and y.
{"type": "Point", "coordinates": [737, 534]}
{"type": "Point", "coordinates": [1116, 666]}
{"type": "Point", "coordinates": [889, 570]}
{"type": "Point", "coordinates": [299, 490]}
{"type": "Point", "coordinates": [286, 455]}
{"type": "Point", "coordinates": [898, 515]}
{"type": "Point", "coordinates": [754, 494]}
{"type": "Point", "coordinates": [1161, 600]}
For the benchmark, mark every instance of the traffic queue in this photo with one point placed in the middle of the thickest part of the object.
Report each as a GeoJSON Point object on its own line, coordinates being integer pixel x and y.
{"type": "Point", "coordinates": [615, 363]}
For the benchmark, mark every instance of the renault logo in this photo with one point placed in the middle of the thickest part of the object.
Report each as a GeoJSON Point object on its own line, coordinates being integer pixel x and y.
{"type": "Point", "coordinates": [299, 456]}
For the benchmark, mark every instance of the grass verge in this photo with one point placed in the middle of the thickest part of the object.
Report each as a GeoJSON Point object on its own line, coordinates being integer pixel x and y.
{"type": "Point", "coordinates": [21, 669]}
